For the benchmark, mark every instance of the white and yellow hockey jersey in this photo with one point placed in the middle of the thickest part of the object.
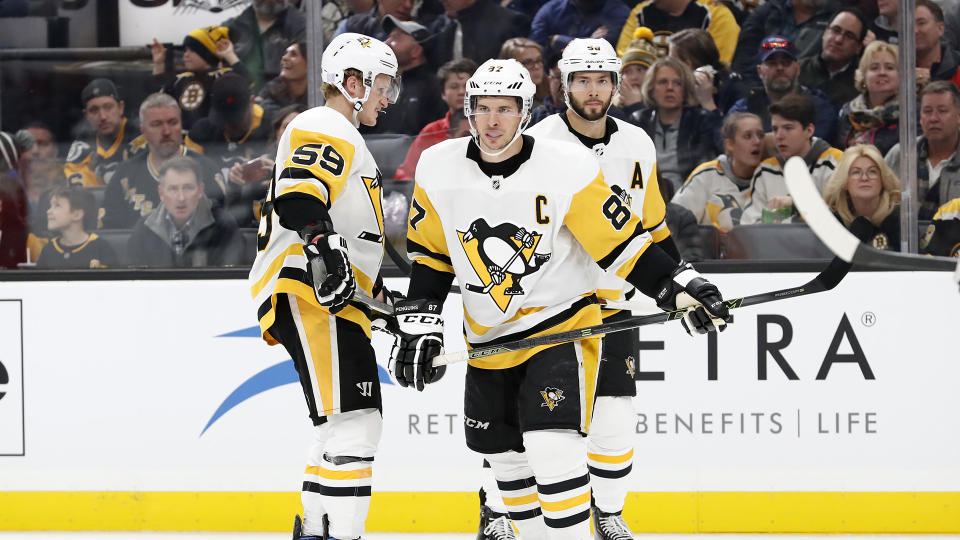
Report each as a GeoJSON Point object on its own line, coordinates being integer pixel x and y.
{"type": "Point", "coordinates": [768, 179]}
{"type": "Point", "coordinates": [321, 155]}
{"type": "Point", "coordinates": [714, 194]}
{"type": "Point", "coordinates": [527, 248]}
{"type": "Point", "coordinates": [628, 160]}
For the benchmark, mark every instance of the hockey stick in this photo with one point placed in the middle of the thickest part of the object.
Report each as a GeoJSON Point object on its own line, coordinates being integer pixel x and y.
{"type": "Point", "coordinates": [841, 241]}
{"type": "Point", "coordinates": [485, 289]}
{"type": "Point", "coordinates": [824, 281]}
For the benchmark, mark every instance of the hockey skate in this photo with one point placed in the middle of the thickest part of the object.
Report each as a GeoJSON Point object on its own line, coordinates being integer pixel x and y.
{"type": "Point", "coordinates": [494, 526]}
{"type": "Point", "coordinates": [298, 529]}
{"type": "Point", "coordinates": [610, 526]}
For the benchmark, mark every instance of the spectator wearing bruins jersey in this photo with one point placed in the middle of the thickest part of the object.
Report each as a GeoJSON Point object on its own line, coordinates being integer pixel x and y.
{"type": "Point", "coordinates": [204, 49]}
{"type": "Point", "coordinates": [526, 226]}
{"type": "Point", "coordinates": [769, 200]}
{"type": "Point", "coordinates": [92, 159]}
{"type": "Point", "coordinates": [320, 240]}
{"type": "Point", "coordinates": [235, 132]}
{"type": "Point", "coordinates": [134, 194]}
{"type": "Point", "coordinates": [864, 194]}
{"type": "Point", "coordinates": [716, 191]}
{"type": "Point", "coordinates": [71, 216]}
{"type": "Point", "coordinates": [664, 17]}
{"type": "Point", "coordinates": [943, 234]}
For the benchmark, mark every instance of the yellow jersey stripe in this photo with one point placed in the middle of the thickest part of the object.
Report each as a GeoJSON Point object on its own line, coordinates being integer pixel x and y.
{"type": "Point", "coordinates": [522, 500]}
{"type": "Point", "coordinates": [610, 459]}
{"type": "Point", "coordinates": [340, 475]}
{"type": "Point", "coordinates": [566, 504]}
{"type": "Point", "coordinates": [275, 265]}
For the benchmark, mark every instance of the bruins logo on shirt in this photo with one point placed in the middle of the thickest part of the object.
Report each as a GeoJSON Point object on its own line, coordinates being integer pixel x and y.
{"type": "Point", "coordinates": [501, 256]}
{"type": "Point", "coordinates": [192, 96]}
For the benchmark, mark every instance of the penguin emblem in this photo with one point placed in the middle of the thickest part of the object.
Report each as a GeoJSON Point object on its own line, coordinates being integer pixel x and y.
{"type": "Point", "coordinates": [730, 210]}
{"type": "Point", "coordinates": [551, 397]}
{"type": "Point", "coordinates": [501, 256]}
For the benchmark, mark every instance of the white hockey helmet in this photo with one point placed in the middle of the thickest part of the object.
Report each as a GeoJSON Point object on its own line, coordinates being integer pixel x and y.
{"type": "Point", "coordinates": [499, 78]}
{"type": "Point", "coordinates": [584, 54]}
{"type": "Point", "coordinates": [369, 56]}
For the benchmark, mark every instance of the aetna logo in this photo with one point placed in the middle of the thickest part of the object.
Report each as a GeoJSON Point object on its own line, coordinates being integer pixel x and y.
{"type": "Point", "coordinates": [769, 349]}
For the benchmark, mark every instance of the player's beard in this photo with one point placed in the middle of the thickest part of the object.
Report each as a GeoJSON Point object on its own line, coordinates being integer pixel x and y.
{"type": "Point", "coordinates": [591, 117]}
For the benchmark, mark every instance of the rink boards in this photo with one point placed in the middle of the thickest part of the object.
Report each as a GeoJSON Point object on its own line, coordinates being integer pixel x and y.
{"type": "Point", "coordinates": [155, 405]}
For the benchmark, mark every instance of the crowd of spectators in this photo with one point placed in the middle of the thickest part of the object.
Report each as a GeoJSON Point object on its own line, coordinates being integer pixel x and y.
{"type": "Point", "coordinates": [727, 90]}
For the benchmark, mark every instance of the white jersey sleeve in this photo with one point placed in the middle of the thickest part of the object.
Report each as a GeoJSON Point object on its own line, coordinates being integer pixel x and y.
{"type": "Point", "coordinates": [321, 156]}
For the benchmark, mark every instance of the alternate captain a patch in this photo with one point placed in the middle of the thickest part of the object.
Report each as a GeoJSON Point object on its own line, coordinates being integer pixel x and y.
{"type": "Point", "coordinates": [501, 256]}
{"type": "Point", "coordinates": [551, 397]}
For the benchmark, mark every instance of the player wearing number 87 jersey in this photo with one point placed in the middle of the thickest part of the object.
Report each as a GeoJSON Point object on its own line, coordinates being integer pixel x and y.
{"type": "Point", "coordinates": [526, 225]}
{"type": "Point", "coordinates": [321, 236]}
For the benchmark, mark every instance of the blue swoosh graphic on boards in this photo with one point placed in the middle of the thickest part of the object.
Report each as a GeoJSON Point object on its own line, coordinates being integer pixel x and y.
{"type": "Point", "coordinates": [272, 377]}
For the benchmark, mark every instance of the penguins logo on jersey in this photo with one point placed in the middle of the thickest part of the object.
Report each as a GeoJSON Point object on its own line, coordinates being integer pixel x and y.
{"type": "Point", "coordinates": [622, 193]}
{"type": "Point", "coordinates": [727, 214]}
{"type": "Point", "coordinates": [551, 397]}
{"type": "Point", "coordinates": [501, 256]}
{"type": "Point", "coordinates": [631, 366]}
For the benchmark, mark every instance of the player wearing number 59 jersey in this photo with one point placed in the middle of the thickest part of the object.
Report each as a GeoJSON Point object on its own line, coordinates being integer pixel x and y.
{"type": "Point", "coordinates": [526, 225]}
{"type": "Point", "coordinates": [320, 239]}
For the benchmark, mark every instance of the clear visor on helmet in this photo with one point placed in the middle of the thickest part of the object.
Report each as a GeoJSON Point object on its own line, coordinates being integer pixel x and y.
{"type": "Point", "coordinates": [500, 107]}
{"type": "Point", "coordinates": [581, 82]}
{"type": "Point", "coordinates": [386, 86]}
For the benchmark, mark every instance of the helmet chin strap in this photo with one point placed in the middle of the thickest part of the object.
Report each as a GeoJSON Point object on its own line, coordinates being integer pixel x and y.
{"type": "Point", "coordinates": [357, 102]}
{"type": "Point", "coordinates": [482, 146]}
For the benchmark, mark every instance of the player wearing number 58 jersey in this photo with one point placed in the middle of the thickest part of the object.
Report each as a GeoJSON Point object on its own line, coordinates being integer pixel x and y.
{"type": "Point", "coordinates": [526, 226]}
{"type": "Point", "coordinates": [590, 75]}
{"type": "Point", "coordinates": [320, 239]}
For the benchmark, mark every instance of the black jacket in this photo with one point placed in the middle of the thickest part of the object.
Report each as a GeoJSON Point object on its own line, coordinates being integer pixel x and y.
{"type": "Point", "coordinates": [418, 105]}
{"type": "Point", "coordinates": [839, 89]}
{"type": "Point", "coordinates": [485, 25]}
{"type": "Point", "coordinates": [290, 26]}
{"type": "Point", "coordinates": [695, 140]}
{"type": "Point", "coordinates": [211, 238]}
{"type": "Point", "coordinates": [775, 17]}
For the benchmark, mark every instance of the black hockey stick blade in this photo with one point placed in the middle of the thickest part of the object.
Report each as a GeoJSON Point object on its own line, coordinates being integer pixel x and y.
{"type": "Point", "coordinates": [824, 281]}
{"type": "Point", "coordinates": [841, 241]}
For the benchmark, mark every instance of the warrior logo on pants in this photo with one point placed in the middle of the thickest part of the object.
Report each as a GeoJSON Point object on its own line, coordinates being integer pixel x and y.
{"type": "Point", "coordinates": [501, 256]}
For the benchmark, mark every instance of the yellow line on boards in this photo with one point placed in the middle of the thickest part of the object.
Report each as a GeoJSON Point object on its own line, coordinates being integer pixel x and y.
{"type": "Point", "coordinates": [714, 512]}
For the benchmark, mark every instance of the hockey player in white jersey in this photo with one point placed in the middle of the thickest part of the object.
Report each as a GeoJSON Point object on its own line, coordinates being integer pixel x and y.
{"type": "Point", "coordinates": [320, 239]}
{"type": "Point", "coordinates": [590, 75]}
{"type": "Point", "coordinates": [526, 226]}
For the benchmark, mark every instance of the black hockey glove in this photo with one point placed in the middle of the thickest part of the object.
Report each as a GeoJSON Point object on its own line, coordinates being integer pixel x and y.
{"type": "Point", "coordinates": [421, 339]}
{"type": "Point", "coordinates": [328, 266]}
{"type": "Point", "coordinates": [687, 288]}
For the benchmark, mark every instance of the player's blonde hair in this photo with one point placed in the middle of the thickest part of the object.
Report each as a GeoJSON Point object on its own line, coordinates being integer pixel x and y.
{"type": "Point", "coordinates": [330, 90]}
{"type": "Point", "coordinates": [838, 199]}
